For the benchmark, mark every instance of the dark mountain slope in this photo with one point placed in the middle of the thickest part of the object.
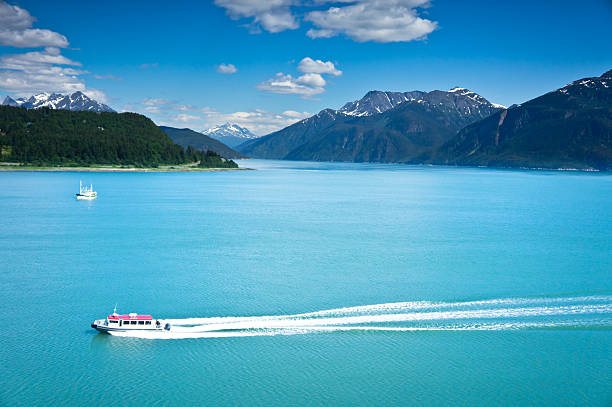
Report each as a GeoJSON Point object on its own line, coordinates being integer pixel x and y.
{"type": "Point", "coordinates": [567, 128]}
{"type": "Point", "coordinates": [381, 127]}
{"type": "Point", "coordinates": [279, 144]}
{"type": "Point", "coordinates": [199, 141]}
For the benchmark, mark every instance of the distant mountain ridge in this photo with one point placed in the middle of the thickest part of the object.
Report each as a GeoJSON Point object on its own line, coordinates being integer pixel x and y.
{"type": "Point", "coordinates": [230, 134]}
{"type": "Point", "coordinates": [187, 137]}
{"type": "Point", "coordinates": [76, 101]}
{"type": "Point", "coordinates": [375, 102]}
{"type": "Point", "coordinates": [570, 127]}
{"type": "Point", "coordinates": [380, 127]}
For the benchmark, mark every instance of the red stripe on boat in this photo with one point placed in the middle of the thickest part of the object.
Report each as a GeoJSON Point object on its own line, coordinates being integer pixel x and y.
{"type": "Point", "coordinates": [135, 318]}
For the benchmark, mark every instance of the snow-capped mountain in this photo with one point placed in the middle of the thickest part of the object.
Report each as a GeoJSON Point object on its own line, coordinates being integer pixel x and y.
{"type": "Point", "coordinates": [601, 84]}
{"type": "Point", "coordinates": [380, 127]}
{"type": "Point", "coordinates": [75, 101]}
{"type": "Point", "coordinates": [230, 134]}
{"type": "Point", "coordinates": [376, 102]}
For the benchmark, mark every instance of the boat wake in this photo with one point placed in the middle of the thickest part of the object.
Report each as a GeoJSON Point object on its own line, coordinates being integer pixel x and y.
{"type": "Point", "coordinates": [494, 314]}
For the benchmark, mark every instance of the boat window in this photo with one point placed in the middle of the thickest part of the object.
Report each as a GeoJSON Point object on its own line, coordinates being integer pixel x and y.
{"type": "Point", "coordinates": [148, 322]}
{"type": "Point", "coordinates": [140, 322]}
{"type": "Point", "coordinates": [113, 321]}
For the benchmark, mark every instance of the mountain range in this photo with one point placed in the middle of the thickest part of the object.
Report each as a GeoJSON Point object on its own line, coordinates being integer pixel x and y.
{"type": "Point", "coordinates": [199, 141]}
{"type": "Point", "coordinates": [230, 134]}
{"type": "Point", "coordinates": [380, 127]}
{"type": "Point", "coordinates": [76, 101]}
{"type": "Point", "coordinates": [570, 127]}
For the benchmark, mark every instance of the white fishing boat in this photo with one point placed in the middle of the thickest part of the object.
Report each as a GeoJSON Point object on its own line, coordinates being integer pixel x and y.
{"type": "Point", "coordinates": [128, 323]}
{"type": "Point", "coordinates": [86, 192]}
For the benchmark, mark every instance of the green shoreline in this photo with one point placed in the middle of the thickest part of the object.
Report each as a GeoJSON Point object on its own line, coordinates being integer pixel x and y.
{"type": "Point", "coordinates": [110, 168]}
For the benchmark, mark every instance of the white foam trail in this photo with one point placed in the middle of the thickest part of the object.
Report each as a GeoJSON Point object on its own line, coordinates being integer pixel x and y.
{"type": "Point", "coordinates": [315, 329]}
{"type": "Point", "coordinates": [495, 314]}
{"type": "Point", "coordinates": [292, 321]}
{"type": "Point", "coordinates": [417, 305]}
{"type": "Point", "coordinates": [395, 306]}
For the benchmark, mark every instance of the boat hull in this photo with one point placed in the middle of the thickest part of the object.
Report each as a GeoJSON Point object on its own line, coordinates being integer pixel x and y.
{"type": "Point", "coordinates": [101, 327]}
{"type": "Point", "coordinates": [85, 197]}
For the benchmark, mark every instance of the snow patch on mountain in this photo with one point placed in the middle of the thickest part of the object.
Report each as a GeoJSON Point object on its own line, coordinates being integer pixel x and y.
{"type": "Point", "coordinates": [76, 101]}
{"type": "Point", "coordinates": [376, 102]}
{"type": "Point", "coordinates": [230, 129]}
{"type": "Point", "coordinates": [230, 134]}
{"type": "Point", "coordinates": [597, 84]}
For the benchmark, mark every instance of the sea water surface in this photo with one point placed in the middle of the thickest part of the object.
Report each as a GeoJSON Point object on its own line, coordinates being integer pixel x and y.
{"type": "Point", "coordinates": [309, 284]}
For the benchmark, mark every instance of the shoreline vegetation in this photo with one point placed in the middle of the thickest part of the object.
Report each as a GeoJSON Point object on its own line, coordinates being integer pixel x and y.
{"type": "Point", "coordinates": [193, 167]}
{"type": "Point", "coordinates": [63, 140]}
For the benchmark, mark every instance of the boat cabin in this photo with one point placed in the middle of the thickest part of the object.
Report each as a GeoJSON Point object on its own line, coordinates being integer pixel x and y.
{"type": "Point", "coordinates": [132, 320]}
{"type": "Point", "coordinates": [129, 322]}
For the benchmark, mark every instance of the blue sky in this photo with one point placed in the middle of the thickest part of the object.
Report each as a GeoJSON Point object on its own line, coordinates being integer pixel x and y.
{"type": "Point", "coordinates": [163, 59]}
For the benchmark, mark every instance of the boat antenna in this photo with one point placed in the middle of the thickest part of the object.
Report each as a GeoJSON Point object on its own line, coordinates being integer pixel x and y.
{"type": "Point", "coordinates": [115, 309]}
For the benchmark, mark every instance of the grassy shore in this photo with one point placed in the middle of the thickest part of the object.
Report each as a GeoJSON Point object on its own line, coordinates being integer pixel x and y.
{"type": "Point", "coordinates": [116, 168]}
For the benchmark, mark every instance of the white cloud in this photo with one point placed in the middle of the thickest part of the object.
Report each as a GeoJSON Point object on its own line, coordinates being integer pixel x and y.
{"type": "Point", "coordinates": [164, 112]}
{"type": "Point", "coordinates": [16, 31]}
{"type": "Point", "coordinates": [273, 15]}
{"type": "Point", "coordinates": [320, 33]}
{"type": "Point", "coordinates": [96, 94]}
{"type": "Point", "coordinates": [33, 72]}
{"type": "Point", "coordinates": [259, 121]}
{"type": "Point", "coordinates": [14, 17]}
{"type": "Point", "coordinates": [296, 115]}
{"type": "Point", "coordinates": [37, 71]}
{"type": "Point", "coordinates": [151, 65]}
{"type": "Point", "coordinates": [184, 108]}
{"type": "Point", "coordinates": [187, 118]}
{"type": "Point", "coordinates": [50, 56]}
{"type": "Point", "coordinates": [309, 65]}
{"type": "Point", "coordinates": [374, 20]}
{"type": "Point", "coordinates": [309, 84]}
{"type": "Point", "coordinates": [109, 77]}
{"type": "Point", "coordinates": [152, 109]}
{"type": "Point", "coordinates": [152, 106]}
{"type": "Point", "coordinates": [305, 85]}
{"type": "Point", "coordinates": [313, 80]}
{"type": "Point", "coordinates": [360, 20]}
{"type": "Point", "coordinates": [227, 69]}
{"type": "Point", "coordinates": [53, 79]}
{"type": "Point", "coordinates": [157, 102]}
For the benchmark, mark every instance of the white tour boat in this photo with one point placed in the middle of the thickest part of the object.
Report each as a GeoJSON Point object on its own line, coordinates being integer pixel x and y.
{"type": "Point", "coordinates": [86, 192]}
{"type": "Point", "coordinates": [129, 322]}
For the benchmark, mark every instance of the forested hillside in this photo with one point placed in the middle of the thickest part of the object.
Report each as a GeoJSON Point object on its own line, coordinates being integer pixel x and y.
{"type": "Point", "coordinates": [62, 137]}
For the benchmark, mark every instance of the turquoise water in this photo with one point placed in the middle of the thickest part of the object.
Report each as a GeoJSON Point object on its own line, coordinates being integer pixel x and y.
{"type": "Point", "coordinates": [309, 284]}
